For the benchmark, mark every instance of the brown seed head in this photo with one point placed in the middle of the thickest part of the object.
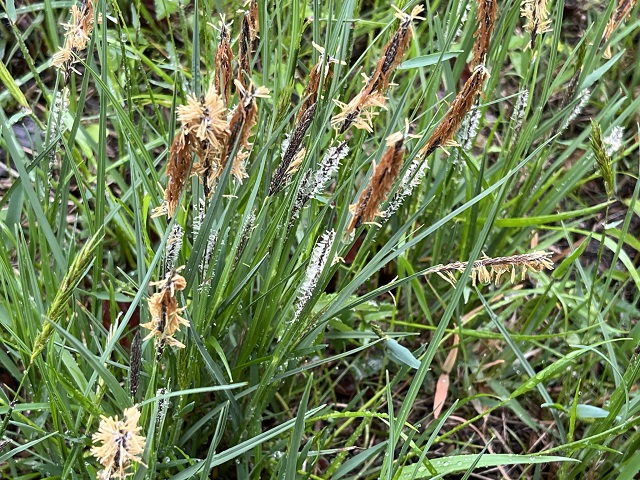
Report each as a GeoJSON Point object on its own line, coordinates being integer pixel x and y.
{"type": "Point", "coordinates": [372, 94]}
{"type": "Point", "coordinates": [224, 71]}
{"type": "Point", "coordinates": [206, 131]}
{"type": "Point", "coordinates": [488, 270]}
{"type": "Point", "coordinates": [384, 174]}
{"type": "Point", "coordinates": [485, 21]}
{"type": "Point", "coordinates": [254, 24]}
{"type": "Point", "coordinates": [244, 50]}
{"type": "Point", "coordinates": [393, 51]}
{"type": "Point", "coordinates": [310, 94]}
{"type": "Point", "coordinates": [243, 119]}
{"type": "Point", "coordinates": [165, 314]}
{"type": "Point", "coordinates": [76, 37]}
{"type": "Point", "coordinates": [177, 172]}
{"type": "Point", "coordinates": [204, 119]}
{"type": "Point", "coordinates": [622, 11]}
{"type": "Point", "coordinates": [442, 135]}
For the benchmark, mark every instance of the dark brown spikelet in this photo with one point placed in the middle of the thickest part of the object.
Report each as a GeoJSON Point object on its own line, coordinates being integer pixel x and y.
{"type": "Point", "coordinates": [485, 21]}
{"type": "Point", "coordinates": [224, 72]}
{"type": "Point", "coordinates": [393, 52]}
{"type": "Point", "coordinates": [278, 180]}
{"type": "Point", "coordinates": [315, 76]}
{"type": "Point", "coordinates": [243, 119]}
{"type": "Point", "coordinates": [254, 24]}
{"type": "Point", "coordinates": [135, 364]}
{"type": "Point", "coordinates": [619, 15]}
{"type": "Point", "coordinates": [358, 110]}
{"type": "Point", "coordinates": [311, 90]}
{"type": "Point", "coordinates": [244, 47]}
{"type": "Point", "coordinates": [177, 171]}
{"type": "Point", "coordinates": [384, 174]}
{"type": "Point", "coordinates": [463, 102]}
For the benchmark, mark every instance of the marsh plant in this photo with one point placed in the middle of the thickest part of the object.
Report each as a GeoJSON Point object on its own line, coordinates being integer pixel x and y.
{"type": "Point", "coordinates": [221, 223]}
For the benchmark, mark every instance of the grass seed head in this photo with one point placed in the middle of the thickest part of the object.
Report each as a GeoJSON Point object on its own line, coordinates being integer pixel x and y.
{"type": "Point", "coordinates": [622, 11]}
{"type": "Point", "coordinates": [205, 130]}
{"type": "Point", "coordinates": [488, 270]}
{"type": "Point", "coordinates": [315, 76]}
{"type": "Point", "coordinates": [359, 111]}
{"type": "Point", "coordinates": [535, 11]}
{"type": "Point", "coordinates": [177, 173]}
{"type": "Point", "coordinates": [70, 281]}
{"type": "Point", "coordinates": [77, 35]}
{"type": "Point", "coordinates": [485, 22]}
{"type": "Point", "coordinates": [279, 179]}
{"type": "Point", "coordinates": [243, 119]}
{"type": "Point", "coordinates": [135, 364]}
{"type": "Point", "coordinates": [442, 135]}
{"type": "Point", "coordinates": [165, 314]}
{"type": "Point", "coordinates": [384, 174]}
{"type": "Point", "coordinates": [223, 70]}
{"type": "Point", "coordinates": [244, 49]}
{"type": "Point", "coordinates": [117, 444]}
{"type": "Point", "coordinates": [603, 160]}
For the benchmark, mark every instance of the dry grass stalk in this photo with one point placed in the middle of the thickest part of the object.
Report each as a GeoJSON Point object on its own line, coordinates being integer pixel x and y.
{"type": "Point", "coordinates": [622, 11]}
{"type": "Point", "coordinates": [485, 22]}
{"type": "Point", "coordinates": [384, 174]}
{"type": "Point", "coordinates": [463, 102]}
{"type": "Point", "coordinates": [291, 152]}
{"type": "Point", "coordinates": [117, 443]}
{"type": "Point", "coordinates": [224, 72]}
{"type": "Point", "coordinates": [488, 270]}
{"type": "Point", "coordinates": [76, 37]}
{"type": "Point", "coordinates": [243, 119]}
{"type": "Point", "coordinates": [535, 11]}
{"type": "Point", "coordinates": [165, 314]}
{"type": "Point", "coordinates": [358, 110]}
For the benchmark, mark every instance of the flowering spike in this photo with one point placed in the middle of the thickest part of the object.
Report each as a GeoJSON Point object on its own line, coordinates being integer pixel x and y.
{"type": "Point", "coordinates": [488, 270]}
{"type": "Point", "coordinates": [384, 174]}
{"type": "Point", "coordinates": [319, 258]}
{"type": "Point", "coordinates": [359, 110]}
{"type": "Point", "coordinates": [120, 444]}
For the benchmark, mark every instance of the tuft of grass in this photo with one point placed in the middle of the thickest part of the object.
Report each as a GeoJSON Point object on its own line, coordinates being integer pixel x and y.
{"type": "Point", "coordinates": [294, 212]}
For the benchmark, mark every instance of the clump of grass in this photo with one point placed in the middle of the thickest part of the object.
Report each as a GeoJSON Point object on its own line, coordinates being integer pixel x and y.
{"type": "Point", "coordinates": [286, 357]}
